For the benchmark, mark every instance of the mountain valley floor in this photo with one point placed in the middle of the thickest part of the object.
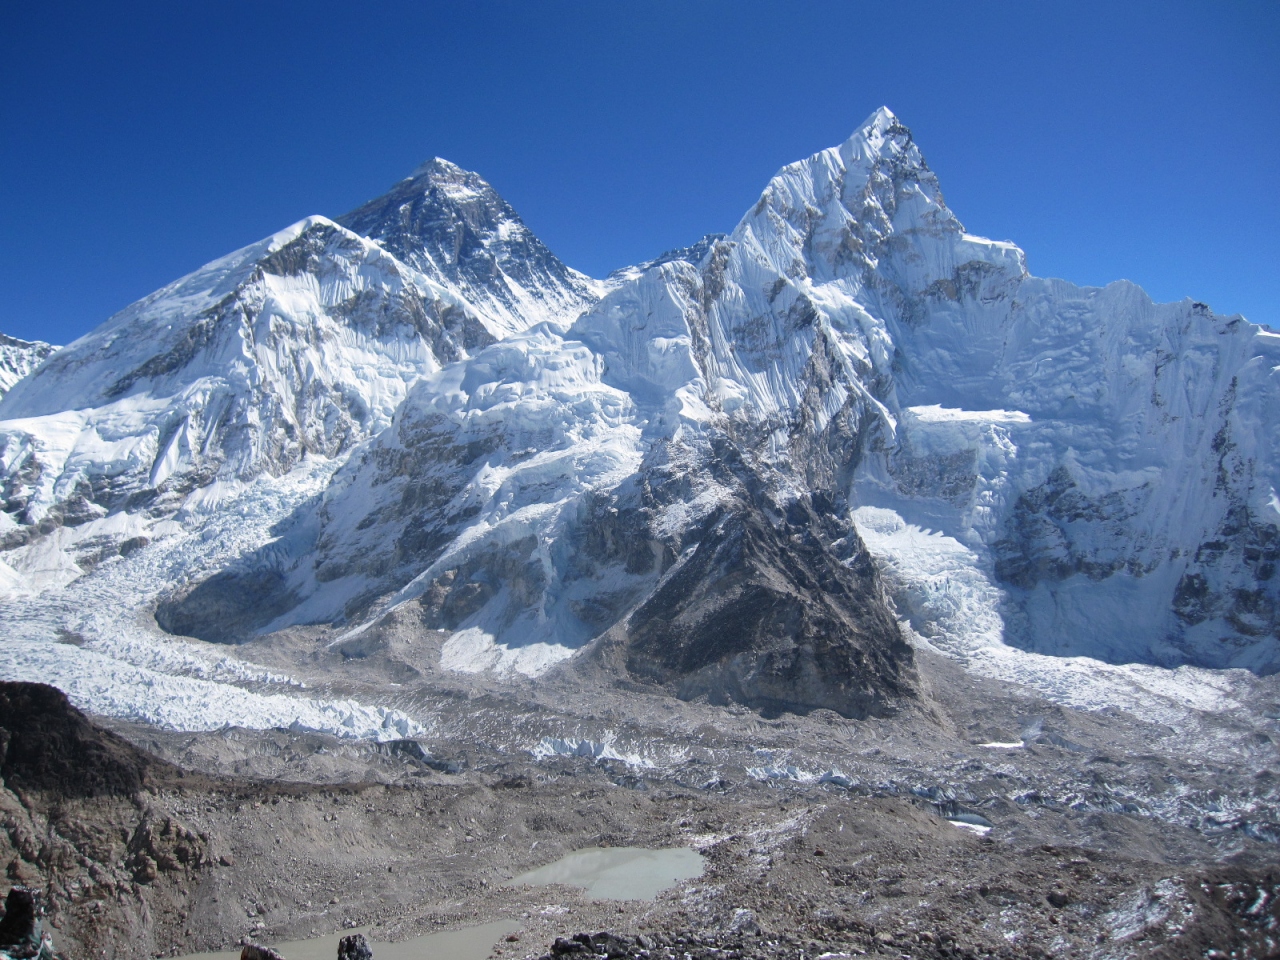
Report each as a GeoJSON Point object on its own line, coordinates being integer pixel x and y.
{"type": "Point", "coordinates": [984, 821]}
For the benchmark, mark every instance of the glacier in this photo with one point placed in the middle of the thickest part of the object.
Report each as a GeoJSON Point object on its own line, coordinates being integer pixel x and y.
{"type": "Point", "coordinates": [754, 470]}
{"type": "Point", "coordinates": [1102, 465]}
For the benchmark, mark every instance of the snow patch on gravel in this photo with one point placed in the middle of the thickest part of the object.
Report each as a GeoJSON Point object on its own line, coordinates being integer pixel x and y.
{"type": "Point", "coordinates": [606, 749]}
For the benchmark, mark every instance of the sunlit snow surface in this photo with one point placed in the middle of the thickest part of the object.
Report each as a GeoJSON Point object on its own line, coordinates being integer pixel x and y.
{"type": "Point", "coordinates": [951, 604]}
{"type": "Point", "coordinates": [973, 386]}
{"type": "Point", "coordinates": [645, 755]}
{"type": "Point", "coordinates": [93, 640]}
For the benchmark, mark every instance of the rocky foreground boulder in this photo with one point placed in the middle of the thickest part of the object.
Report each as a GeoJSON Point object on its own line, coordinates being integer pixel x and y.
{"type": "Point", "coordinates": [47, 745]}
{"type": "Point", "coordinates": [22, 935]}
{"type": "Point", "coordinates": [353, 947]}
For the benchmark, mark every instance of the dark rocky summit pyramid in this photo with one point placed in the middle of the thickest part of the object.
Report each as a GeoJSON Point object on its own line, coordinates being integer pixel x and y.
{"type": "Point", "coordinates": [452, 226]}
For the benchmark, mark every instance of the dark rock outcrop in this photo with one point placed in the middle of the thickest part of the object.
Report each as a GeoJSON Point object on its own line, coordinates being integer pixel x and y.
{"type": "Point", "coordinates": [454, 227]}
{"type": "Point", "coordinates": [228, 607]}
{"type": "Point", "coordinates": [765, 614]}
{"type": "Point", "coordinates": [354, 947]}
{"type": "Point", "coordinates": [48, 745]}
{"type": "Point", "coordinates": [22, 935]}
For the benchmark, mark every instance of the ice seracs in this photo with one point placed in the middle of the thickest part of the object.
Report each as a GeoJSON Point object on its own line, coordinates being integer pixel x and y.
{"type": "Point", "coordinates": [730, 472]}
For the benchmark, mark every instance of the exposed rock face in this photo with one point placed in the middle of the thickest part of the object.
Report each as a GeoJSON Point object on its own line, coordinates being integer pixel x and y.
{"type": "Point", "coordinates": [47, 745]}
{"type": "Point", "coordinates": [765, 613]}
{"type": "Point", "coordinates": [452, 226]}
{"type": "Point", "coordinates": [354, 947]}
{"type": "Point", "coordinates": [162, 845]}
{"type": "Point", "coordinates": [79, 824]}
{"type": "Point", "coordinates": [50, 754]}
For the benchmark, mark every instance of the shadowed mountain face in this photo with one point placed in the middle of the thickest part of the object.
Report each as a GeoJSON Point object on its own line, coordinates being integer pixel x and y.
{"type": "Point", "coordinates": [764, 612]}
{"type": "Point", "coordinates": [48, 746]}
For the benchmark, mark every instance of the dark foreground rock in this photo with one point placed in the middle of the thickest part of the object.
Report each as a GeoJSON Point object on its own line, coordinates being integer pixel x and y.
{"type": "Point", "coordinates": [48, 745]}
{"type": "Point", "coordinates": [1009, 853]}
{"type": "Point", "coordinates": [22, 935]}
{"type": "Point", "coordinates": [354, 947]}
{"type": "Point", "coordinates": [861, 940]}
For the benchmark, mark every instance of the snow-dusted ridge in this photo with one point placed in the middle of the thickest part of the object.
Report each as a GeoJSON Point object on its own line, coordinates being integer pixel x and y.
{"type": "Point", "coordinates": [300, 345]}
{"type": "Point", "coordinates": [1072, 488]}
{"type": "Point", "coordinates": [18, 358]}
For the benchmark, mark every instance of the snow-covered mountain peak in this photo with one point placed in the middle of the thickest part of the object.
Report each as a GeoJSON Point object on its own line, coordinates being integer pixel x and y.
{"type": "Point", "coordinates": [880, 140]}
{"type": "Point", "coordinates": [868, 213]}
{"type": "Point", "coordinates": [213, 321]}
{"type": "Point", "coordinates": [1084, 444]}
{"type": "Point", "coordinates": [468, 191]}
{"type": "Point", "coordinates": [451, 225]}
{"type": "Point", "coordinates": [880, 134]}
{"type": "Point", "coordinates": [693, 475]}
{"type": "Point", "coordinates": [438, 167]}
{"type": "Point", "coordinates": [296, 347]}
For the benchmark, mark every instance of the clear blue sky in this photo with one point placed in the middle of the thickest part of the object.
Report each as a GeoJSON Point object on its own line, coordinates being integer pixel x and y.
{"type": "Point", "coordinates": [1120, 139]}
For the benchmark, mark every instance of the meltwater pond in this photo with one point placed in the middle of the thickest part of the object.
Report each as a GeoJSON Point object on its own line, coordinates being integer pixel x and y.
{"type": "Point", "coordinates": [618, 873]}
{"type": "Point", "coordinates": [607, 873]}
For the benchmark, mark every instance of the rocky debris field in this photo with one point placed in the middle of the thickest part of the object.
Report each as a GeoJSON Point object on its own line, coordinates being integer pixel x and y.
{"type": "Point", "coordinates": [920, 843]}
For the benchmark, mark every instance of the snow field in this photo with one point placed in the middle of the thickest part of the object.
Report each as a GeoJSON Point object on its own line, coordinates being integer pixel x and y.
{"type": "Point", "coordinates": [92, 639]}
{"type": "Point", "coordinates": [949, 603]}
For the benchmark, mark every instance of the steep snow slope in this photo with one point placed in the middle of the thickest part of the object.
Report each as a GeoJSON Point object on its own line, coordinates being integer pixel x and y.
{"type": "Point", "coordinates": [686, 483]}
{"type": "Point", "coordinates": [192, 428]}
{"type": "Point", "coordinates": [669, 473]}
{"type": "Point", "coordinates": [18, 358]}
{"type": "Point", "coordinates": [452, 226]}
{"type": "Point", "coordinates": [298, 346]}
{"type": "Point", "coordinates": [1104, 466]}
{"type": "Point", "coordinates": [1110, 462]}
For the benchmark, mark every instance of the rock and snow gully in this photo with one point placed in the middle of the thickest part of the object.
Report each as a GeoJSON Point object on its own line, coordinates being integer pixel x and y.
{"type": "Point", "coordinates": [842, 500]}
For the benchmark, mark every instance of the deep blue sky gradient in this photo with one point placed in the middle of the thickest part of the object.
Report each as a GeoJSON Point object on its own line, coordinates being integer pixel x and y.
{"type": "Point", "coordinates": [138, 141]}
